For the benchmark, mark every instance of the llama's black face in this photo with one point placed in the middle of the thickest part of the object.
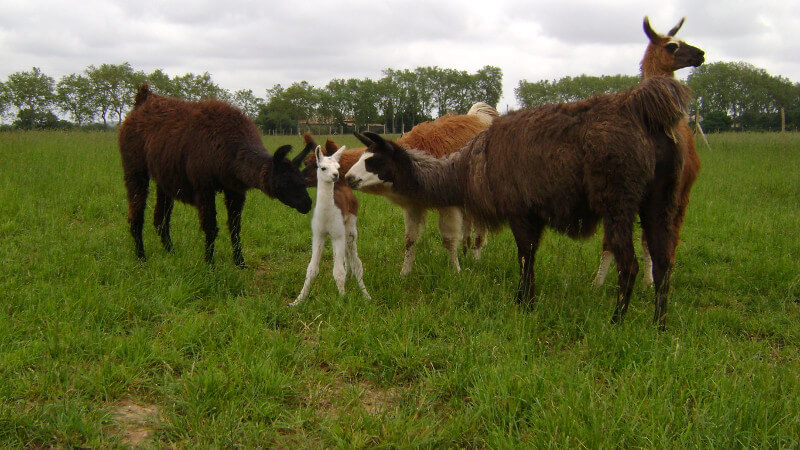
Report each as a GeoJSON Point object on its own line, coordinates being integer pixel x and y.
{"type": "Point", "coordinates": [289, 185]}
{"type": "Point", "coordinates": [374, 168]}
{"type": "Point", "coordinates": [685, 55]}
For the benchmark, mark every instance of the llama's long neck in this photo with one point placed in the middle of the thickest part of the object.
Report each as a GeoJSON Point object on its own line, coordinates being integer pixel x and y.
{"type": "Point", "coordinates": [249, 167]}
{"type": "Point", "coordinates": [651, 66]}
{"type": "Point", "coordinates": [433, 180]}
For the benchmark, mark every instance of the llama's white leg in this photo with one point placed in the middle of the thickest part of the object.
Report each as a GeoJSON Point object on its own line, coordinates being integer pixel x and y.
{"type": "Point", "coordinates": [352, 254]}
{"type": "Point", "coordinates": [466, 232]}
{"type": "Point", "coordinates": [317, 244]}
{"type": "Point", "coordinates": [605, 262]}
{"type": "Point", "coordinates": [450, 227]}
{"type": "Point", "coordinates": [339, 269]}
{"type": "Point", "coordinates": [647, 280]}
{"type": "Point", "coordinates": [414, 220]}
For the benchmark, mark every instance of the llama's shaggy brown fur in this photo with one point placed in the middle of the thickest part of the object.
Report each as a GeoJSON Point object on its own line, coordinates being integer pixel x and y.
{"type": "Point", "coordinates": [193, 150]}
{"type": "Point", "coordinates": [564, 166]}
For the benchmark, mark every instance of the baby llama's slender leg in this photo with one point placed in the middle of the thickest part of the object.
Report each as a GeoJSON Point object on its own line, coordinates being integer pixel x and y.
{"type": "Point", "coordinates": [339, 270]}
{"type": "Point", "coordinates": [352, 253]}
{"type": "Point", "coordinates": [317, 245]}
{"type": "Point", "coordinates": [414, 219]}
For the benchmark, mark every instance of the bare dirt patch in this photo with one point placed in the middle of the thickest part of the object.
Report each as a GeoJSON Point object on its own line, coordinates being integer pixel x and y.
{"type": "Point", "coordinates": [136, 421]}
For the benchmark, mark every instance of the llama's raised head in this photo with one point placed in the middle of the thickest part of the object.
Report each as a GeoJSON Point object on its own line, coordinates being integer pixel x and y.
{"type": "Point", "coordinates": [376, 166]}
{"type": "Point", "coordinates": [666, 54]}
{"type": "Point", "coordinates": [328, 166]}
{"type": "Point", "coordinates": [285, 182]}
{"type": "Point", "coordinates": [310, 169]}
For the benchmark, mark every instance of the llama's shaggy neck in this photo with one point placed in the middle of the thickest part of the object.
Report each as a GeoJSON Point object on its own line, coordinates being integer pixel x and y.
{"type": "Point", "coordinates": [250, 166]}
{"type": "Point", "coordinates": [434, 180]}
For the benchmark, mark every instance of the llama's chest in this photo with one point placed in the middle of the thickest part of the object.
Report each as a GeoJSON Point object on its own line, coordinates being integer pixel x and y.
{"type": "Point", "coordinates": [327, 219]}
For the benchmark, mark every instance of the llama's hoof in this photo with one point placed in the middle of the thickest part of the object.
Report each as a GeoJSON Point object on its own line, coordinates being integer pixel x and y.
{"type": "Point", "coordinates": [598, 282]}
{"type": "Point", "coordinates": [296, 302]}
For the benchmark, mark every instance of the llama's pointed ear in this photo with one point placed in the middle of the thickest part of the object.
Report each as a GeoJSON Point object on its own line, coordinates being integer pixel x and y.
{"type": "Point", "coordinates": [338, 154]}
{"type": "Point", "coordinates": [318, 153]}
{"type": "Point", "coordinates": [380, 143]}
{"type": "Point", "coordinates": [364, 140]}
{"type": "Point", "coordinates": [330, 147]}
{"type": "Point", "coordinates": [648, 30]}
{"type": "Point", "coordinates": [310, 144]}
{"type": "Point", "coordinates": [281, 152]}
{"type": "Point", "coordinates": [676, 28]}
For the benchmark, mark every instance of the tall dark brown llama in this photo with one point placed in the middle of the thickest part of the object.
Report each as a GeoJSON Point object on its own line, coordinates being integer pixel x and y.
{"type": "Point", "coordinates": [564, 166]}
{"type": "Point", "coordinates": [192, 150]}
{"type": "Point", "coordinates": [663, 56]}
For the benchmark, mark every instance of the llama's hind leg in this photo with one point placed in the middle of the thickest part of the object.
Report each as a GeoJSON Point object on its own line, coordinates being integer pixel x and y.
{"type": "Point", "coordinates": [207, 212]}
{"type": "Point", "coordinates": [605, 263]}
{"type": "Point", "coordinates": [479, 243]}
{"type": "Point", "coordinates": [414, 219]}
{"type": "Point", "coordinates": [353, 261]}
{"type": "Point", "coordinates": [137, 185]}
{"type": "Point", "coordinates": [527, 233]}
{"type": "Point", "coordinates": [162, 215]}
{"type": "Point", "coordinates": [619, 235]}
{"type": "Point", "coordinates": [661, 240]}
{"type": "Point", "coordinates": [647, 279]}
{"type": "Point", "coordinates": [339, 268]}
{"type": "Point", "coordinates": [450, 227]}
{"type": "Point", "coordinates": [317, 245]}
{"type": "Point", "coordinates": [234, 203]}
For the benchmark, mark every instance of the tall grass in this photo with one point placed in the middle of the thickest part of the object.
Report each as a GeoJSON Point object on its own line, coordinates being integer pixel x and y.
{"type": "Point", "coordinates": [436, 359]}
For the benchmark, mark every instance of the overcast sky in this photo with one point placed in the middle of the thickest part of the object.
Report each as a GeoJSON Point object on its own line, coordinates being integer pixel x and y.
{"type": "Point", "coordinates": [257, 44]}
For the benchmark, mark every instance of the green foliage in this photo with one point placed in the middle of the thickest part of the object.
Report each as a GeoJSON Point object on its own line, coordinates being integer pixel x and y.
{"type": "Point", "coordinates": [749, 95]}
{"type": "Point", "coordinates": [75, 95]}
{"type": "Point", "coordinates": [570, 89]}
{"type": "Point", "coordinates": [436, 359]}
{"type": "Point", "coordinates": [716, 121]}
{"type": "Point", "coordinates": [29, 90]}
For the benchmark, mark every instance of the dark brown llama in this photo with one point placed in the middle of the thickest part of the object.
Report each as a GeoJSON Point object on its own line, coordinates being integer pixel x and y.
{"type": "Point", "coordinates": [663, 56]}
{"type": "Point", "coordinates": [564, 166]}
{"type": "Point", "coordinates": [192, 150]}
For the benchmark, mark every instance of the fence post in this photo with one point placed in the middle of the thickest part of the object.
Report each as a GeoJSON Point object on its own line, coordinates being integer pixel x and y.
{"type": "Point", "coordinates": [783, 129]}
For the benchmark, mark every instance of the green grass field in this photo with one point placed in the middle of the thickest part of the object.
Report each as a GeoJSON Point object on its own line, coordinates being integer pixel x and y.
{"type": "Point", "coordinates": [99, 350]}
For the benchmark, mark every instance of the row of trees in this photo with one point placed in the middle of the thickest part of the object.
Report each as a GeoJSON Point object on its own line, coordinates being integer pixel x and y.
{"type": "Point", "coordinates": [728, 95]}
{"type": "Point", "coordinates": [399, 100]}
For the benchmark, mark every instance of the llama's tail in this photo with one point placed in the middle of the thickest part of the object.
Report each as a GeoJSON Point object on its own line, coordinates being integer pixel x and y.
{"type": "Point", "coordinates": [142, 95]}
{"type": "Point", "coordinates": [660, 102]}
{"type": "Point", "coordinates": [484, 111]}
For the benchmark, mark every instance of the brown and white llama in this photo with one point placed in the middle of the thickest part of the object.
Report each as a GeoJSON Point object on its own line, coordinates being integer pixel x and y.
{"type": "Point", "coordinates": [192, 150]}
{"type": "Point", "coordinates": [663, 56]}
{"type": "Point", "coordinates": [335, 215]}
{"type": "Point", "coordinates": [438, 138]}
{"type": "Point", "coordinates": [564, 166]}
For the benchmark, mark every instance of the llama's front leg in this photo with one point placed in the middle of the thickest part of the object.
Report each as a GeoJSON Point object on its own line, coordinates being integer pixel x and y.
{"type": "Point", "coordinates": [234, 202]}
{"type": "Point", "coordinates": [414, 219]}
{"type": "Point", "coordinates": [339, 269]}
{"type": "Point", "coordinates": [527, 233]}
{"type": "Point", "coordinates": [352, 254]}
{"type": "Point", "coordinates": [317, 244]}
{"type": "Point", "coordinates": [605, 263]}
{"type": "Point", "coordinates": [450, 228]}
{"type": "Point", "coordinates": [162, 215]}
{"type": "Point", "coordinates": [137, 186]}
{"type": "Point", "coordinates": [207, 210]}
{"type": "Point", "coordinates": [619, 235]}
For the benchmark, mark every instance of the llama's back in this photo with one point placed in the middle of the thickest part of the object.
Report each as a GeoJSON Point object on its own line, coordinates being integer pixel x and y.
{"type": "Point", "coordinates": [556, 158]}
{"type": "Point", "coordinates": [444, 135]}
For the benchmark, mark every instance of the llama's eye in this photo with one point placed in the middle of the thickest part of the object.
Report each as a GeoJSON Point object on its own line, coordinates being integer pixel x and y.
{"type": "Point", "coordinates": [672, 47]}
{"type": "Point", "coordinates": [324, 169]}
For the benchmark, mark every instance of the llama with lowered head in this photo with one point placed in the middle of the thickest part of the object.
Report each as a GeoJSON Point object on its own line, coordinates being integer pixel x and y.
{"type": "Point", "coordinates": [334, 216]}
{"type": "Point", "coordinates": [564, 166]}
{"type": "Point", "coordinates": [192, 150]}
{"type": "Point", "coordinates": [663, 56]}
